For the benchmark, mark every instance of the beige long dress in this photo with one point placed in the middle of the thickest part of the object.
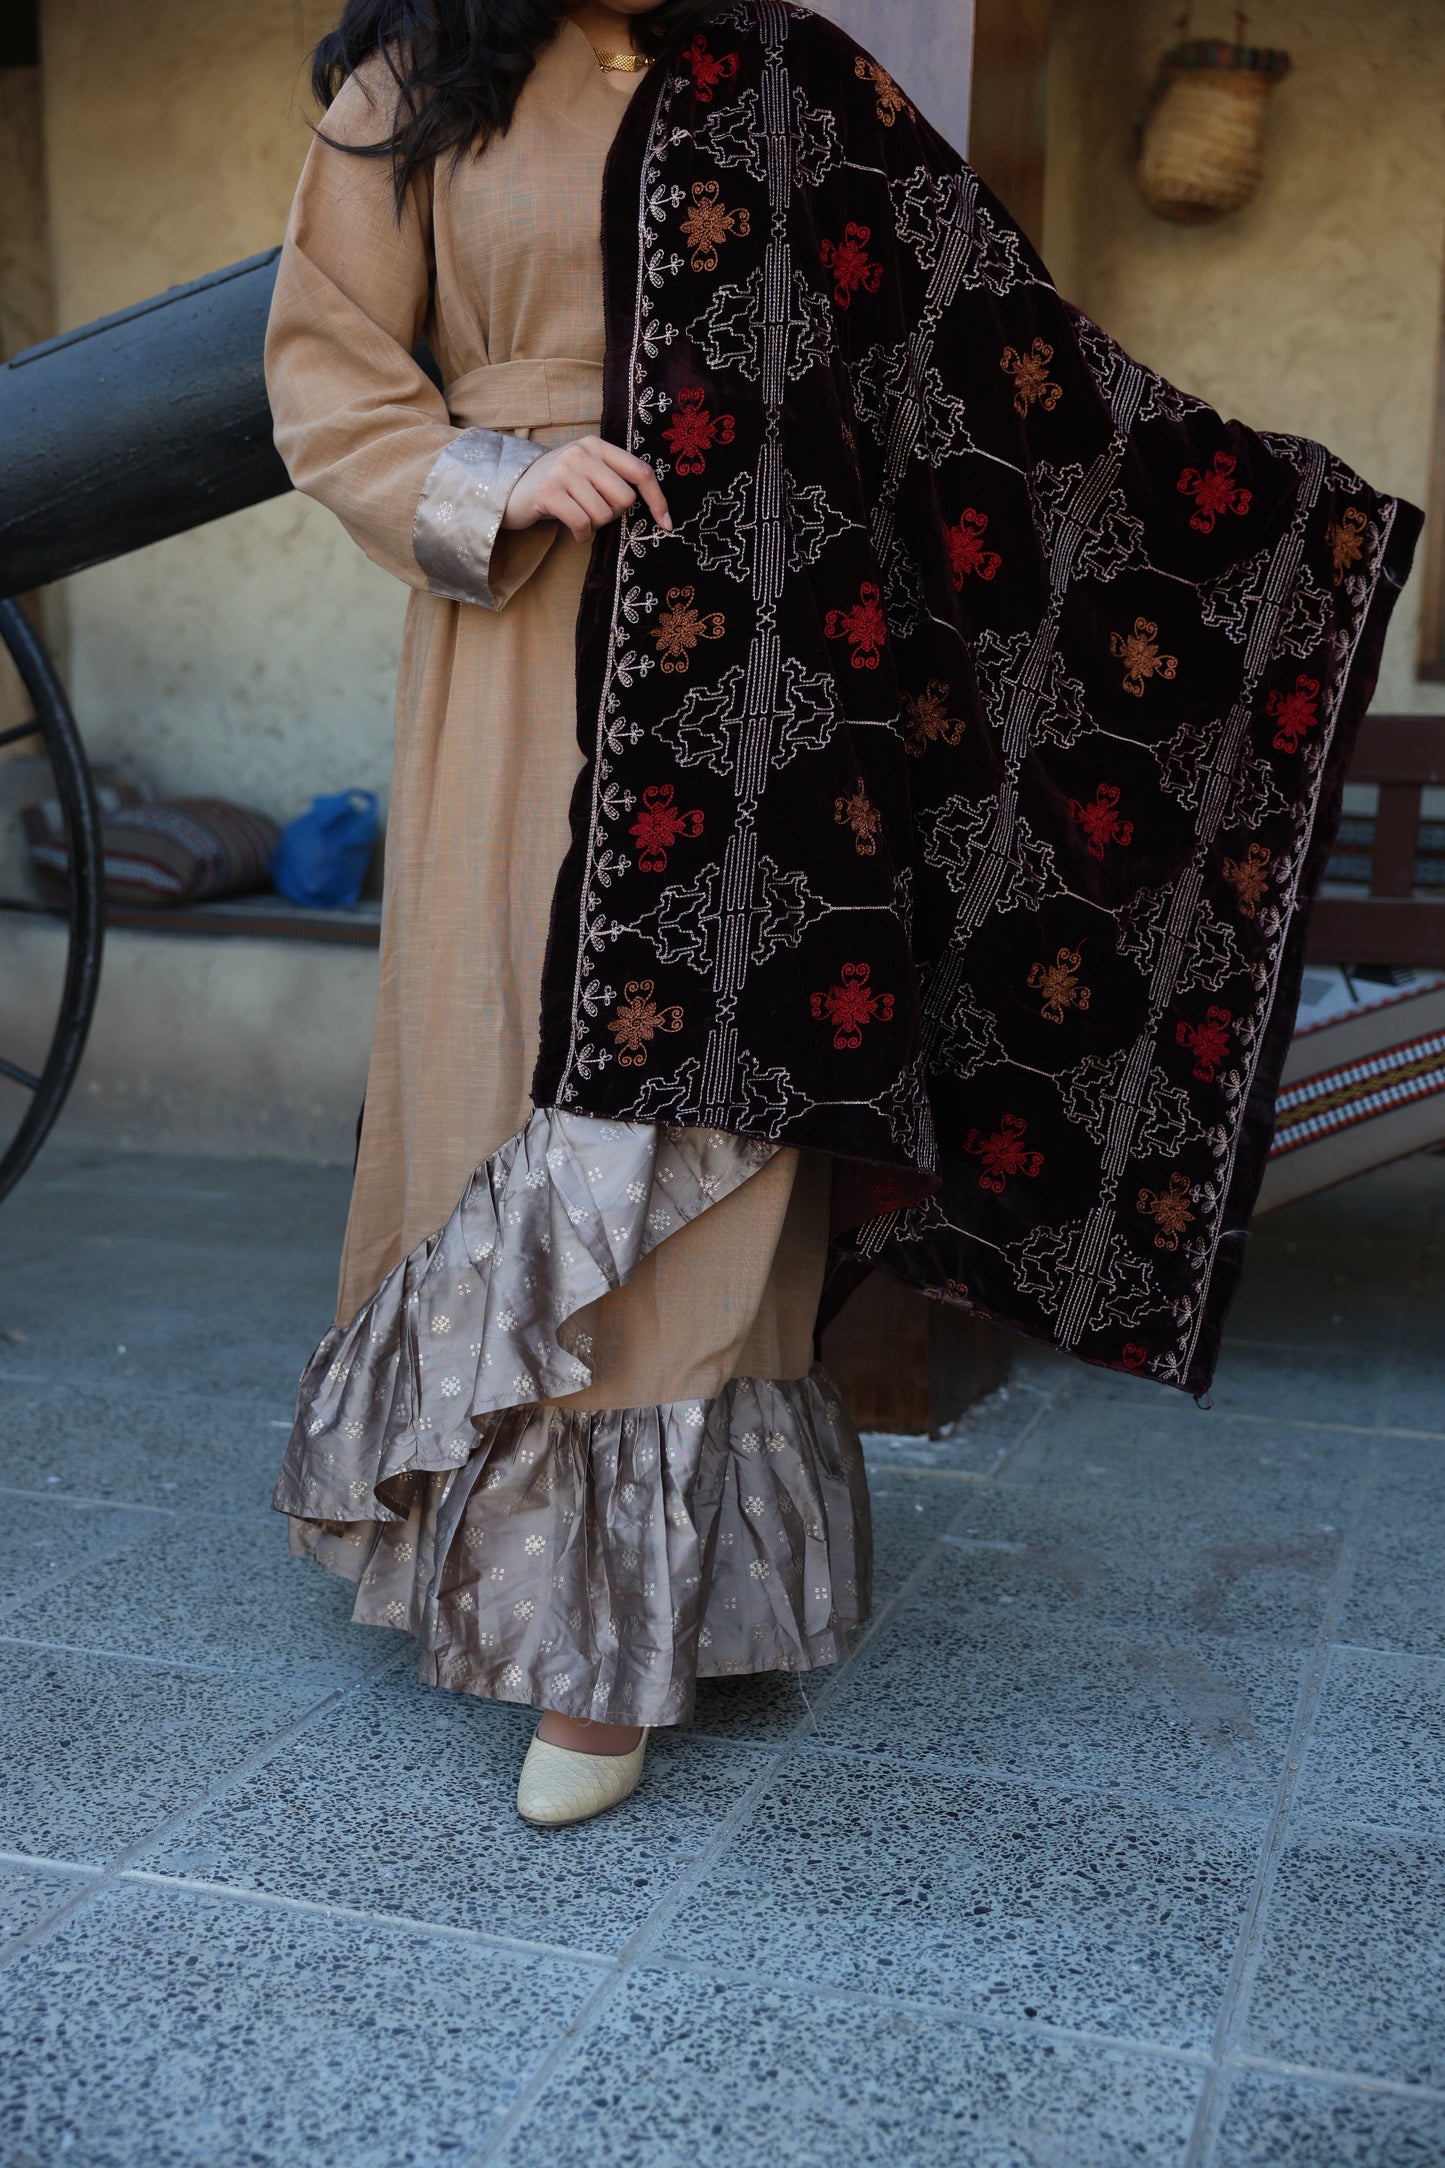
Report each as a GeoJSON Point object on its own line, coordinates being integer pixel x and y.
{"type": "Point", "coordinates": [606, 1469]}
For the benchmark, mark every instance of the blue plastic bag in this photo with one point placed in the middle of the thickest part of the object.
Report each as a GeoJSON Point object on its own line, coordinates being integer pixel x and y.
{"type": "Point", "coordinates": [323, 854]}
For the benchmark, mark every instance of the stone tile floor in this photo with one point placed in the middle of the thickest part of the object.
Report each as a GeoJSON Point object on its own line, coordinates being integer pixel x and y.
{"type": "Point", "coordinates": [1120, 1839]}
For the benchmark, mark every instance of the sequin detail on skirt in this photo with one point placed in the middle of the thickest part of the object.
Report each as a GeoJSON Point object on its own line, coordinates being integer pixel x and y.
{"type": "Point", "coordinates": [599, 1564]}
{"type": "Point", "coordinates": [591, 1562]}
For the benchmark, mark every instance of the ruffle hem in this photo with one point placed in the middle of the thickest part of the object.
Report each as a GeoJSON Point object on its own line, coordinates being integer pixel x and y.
{"type": "Point", "coordinates": [593, 1563]}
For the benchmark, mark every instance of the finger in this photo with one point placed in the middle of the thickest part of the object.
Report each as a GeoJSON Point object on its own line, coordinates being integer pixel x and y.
{"type": "Point", "coordinates": [638, 472]}
{"type": "Point", "coordinates": [592, 501]}
{"type": "Point", "coordinates": [609, 484]}
{"type": "Point", "coordinates": [559, 504]}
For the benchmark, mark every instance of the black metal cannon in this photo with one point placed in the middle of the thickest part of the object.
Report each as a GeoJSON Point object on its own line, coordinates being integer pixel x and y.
{"type": "Point", "coordinates": [135, 427]}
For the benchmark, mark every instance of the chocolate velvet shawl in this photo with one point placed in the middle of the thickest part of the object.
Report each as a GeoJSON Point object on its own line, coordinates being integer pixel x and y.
{"type": "Point", "coordinates": [960, 767]}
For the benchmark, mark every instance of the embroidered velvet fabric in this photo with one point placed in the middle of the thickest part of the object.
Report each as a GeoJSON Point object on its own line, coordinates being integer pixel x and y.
{"type": "Point", "coordinates": [960, 768]}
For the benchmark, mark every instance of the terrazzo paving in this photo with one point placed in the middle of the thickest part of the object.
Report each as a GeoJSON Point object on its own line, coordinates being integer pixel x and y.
{"type": "Point", "coordinates": [1119, 1839]}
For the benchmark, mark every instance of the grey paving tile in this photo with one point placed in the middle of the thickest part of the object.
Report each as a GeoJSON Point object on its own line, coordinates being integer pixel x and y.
{"type": "Point", "coordinates": [402, 1800]}
{"type": "Point", "coordinates": [980, 1442]}
{"type": "Point", "coordinates": [159, 2029]}
{"type": "Point", "coordinates": [910, 1513]}
{"type": "Point", "coordinates": [1228, 1528]}
{"type": "Point", "coordinates": [226, 1203]}
{"type": "Point", "coordinates": [1377, 1755]}
{"type": "Point", "coordinates": [173, 1450]}
{"type": "Point", "coordinates": [1397, 1591]}
{"type": "Point", "coordinates": [1103, 1915]}
{"type": "Point", "coordinates": [681, 2069]}
{"type": "Point", "coordinates": [1202, 1720]}
{"type": "Point", "coordinates": [168, 1316]}
{"type": "Point", "coordinates": [1352, 1972]}
{"type": "Point", "coordinates": [97, 1752]}
{"type": "Point", "coordinates": [45, 1537]}
{"type": "Point", "coordinates": [224, 1593]}
{"type": "Point", "coordinates": [759, 1711]}
{"type": "Point", "coordinates": [1311, 1382]}
{"type": "Point", "coordinates": [1415, 1397]}
{"type": "Point", "coordinates": [27, 1894]}
{"type": "Point", "coordinates": [1279, 2122]}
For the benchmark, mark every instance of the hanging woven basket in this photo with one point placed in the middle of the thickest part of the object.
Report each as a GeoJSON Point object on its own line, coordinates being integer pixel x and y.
{"type": "Point", "coordinates": [1201, 147]}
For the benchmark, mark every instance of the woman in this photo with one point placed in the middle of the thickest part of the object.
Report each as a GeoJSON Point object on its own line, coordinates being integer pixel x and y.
{"type": "Point", "coordinates": [486, 504]}
{"type": "Point", "coordinates": [963, 712]}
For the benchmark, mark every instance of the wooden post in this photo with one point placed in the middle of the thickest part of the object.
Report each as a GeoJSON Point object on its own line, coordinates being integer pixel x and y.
{"type": "Point", "coordinates": [1008, 133]}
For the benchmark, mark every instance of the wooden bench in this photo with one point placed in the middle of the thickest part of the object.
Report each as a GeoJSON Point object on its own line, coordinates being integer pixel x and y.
{"type": "Point", "coordinates": [1390, 923]}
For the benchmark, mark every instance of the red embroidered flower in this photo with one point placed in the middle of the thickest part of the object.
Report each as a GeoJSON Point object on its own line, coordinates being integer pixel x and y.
{"type": "Point", "coordinates": [1214, 492]}
{"type": "Point", "coordinates": [890, 1193]}
{"type": "Point", "coordinates": [851, 1005]}
{"type": "Point", "coordinates": [864, 627]}
{"type": "Point", "coordinates": [1003, 1154]}
{"type": "Point", "coordinates": [1100, 819]}
{"type": "Point", "coordinates": [1295, 713]}
{"type": "Point", "coordinates": [848, 261]}
{"type": "Point", "coordinates": [1132, 1358]}
{"type": "Point", "coordinates": [659, 825]}
{"type": "Point", "coordinates": [708, 69]}
{"type": "Point", "coordinates": [966, 553]}
{"type": "Point", "coordinates": [1207, 1042]}
{"type": "Point", "coordinates": [692, 432]}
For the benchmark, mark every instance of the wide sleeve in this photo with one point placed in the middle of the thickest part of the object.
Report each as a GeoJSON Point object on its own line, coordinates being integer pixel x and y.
{"type": "Point", "coordinates": [359, 424]}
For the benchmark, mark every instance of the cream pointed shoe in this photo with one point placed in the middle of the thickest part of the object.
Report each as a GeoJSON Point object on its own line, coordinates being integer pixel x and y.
{"type": "Point", "coordinates": [557, 1786]}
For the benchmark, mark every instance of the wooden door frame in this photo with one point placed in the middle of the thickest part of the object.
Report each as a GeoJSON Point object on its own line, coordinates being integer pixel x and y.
{"type": "Point", "coordinates": [1009, 110]}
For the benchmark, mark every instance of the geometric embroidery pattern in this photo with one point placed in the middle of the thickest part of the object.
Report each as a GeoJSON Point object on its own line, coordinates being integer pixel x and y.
{"type": "Point", "coordinates": [958, 765]}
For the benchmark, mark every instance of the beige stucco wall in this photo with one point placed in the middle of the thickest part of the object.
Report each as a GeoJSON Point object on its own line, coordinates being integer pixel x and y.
{"type": "Point", "coordinates": [1315, 309]}
{"type": "Point", "coordinates": [254, 658]}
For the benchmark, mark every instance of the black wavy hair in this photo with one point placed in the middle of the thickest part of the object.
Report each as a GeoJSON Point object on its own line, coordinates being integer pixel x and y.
{"type": "Point", "coordinates": [459, 66]}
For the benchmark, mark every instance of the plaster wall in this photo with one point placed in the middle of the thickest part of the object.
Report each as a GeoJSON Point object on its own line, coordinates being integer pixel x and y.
{"type": "Point", "coordinates": [254, 658]}
{"type": "Point", "coordinates": [1317, 308]}
{"type": "Point", "coordinates": [927, 46]}
{"type": "Point", "coordinates": [240, 1046]}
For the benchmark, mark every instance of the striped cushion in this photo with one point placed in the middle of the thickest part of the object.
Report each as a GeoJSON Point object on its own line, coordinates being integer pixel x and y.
{"type": "Point", "coordinates": [170, 851]}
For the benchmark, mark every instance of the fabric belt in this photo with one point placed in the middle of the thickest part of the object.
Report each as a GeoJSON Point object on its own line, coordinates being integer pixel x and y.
{"type": "Point", "coordinates": [519, 395]}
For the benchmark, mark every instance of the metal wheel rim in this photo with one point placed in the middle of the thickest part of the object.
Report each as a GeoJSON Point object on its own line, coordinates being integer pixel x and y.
{"type": "Point", "coordinates": [55, 725]}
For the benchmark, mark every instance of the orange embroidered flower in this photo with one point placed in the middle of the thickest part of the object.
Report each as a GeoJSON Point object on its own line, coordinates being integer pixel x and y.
{"type": "Point", "coordinates": [852, 1004]}
{"type": "Point", "coordinates": [659, 825]}
{"type": "Point", "coordinates": [864, 627]}
{"type": "Point", "coordinates": [1214, 492]}
{"type": "Point", "coordinates": [891, 101]}
{"type": "Point", "coordinates": [926, 719]}
{"type": "Point", "coordinates": [638, 1021]}
{"type": "Point", "coordinates": [861, 815]}
{"type": "Point", "coordinates": [1139, 652]}
{"type": "Point", "coordinates": [1346, 537]}
{"type": "Point", "coordinates": [848, 261]}
{"type": "Point", "coordinates": [1058, 982]}
{"type": "Point", "coordinates": [1207, 1042]}
{"type": "Point", "coordinates": [1032, 384]}
{"type": "Point", "coordinates": [966, 553]}
{"type": "Point", "coordinates": [692, 432]}
{"type": "Point", "coordinates": [708, 69]}
{"type": "Point", "coordinates": [680, 627]}
{"type": "Point", "coordinates": [1295, 712]}
{"type": "Point", "coordinates": [1100, 819]}
{"type": "Point", "coordinates": [710, 223]}
{"type": "Point", "coordinates": [1169, 1211]}
{"type": "Point", "coordinates": [1003, 1154]}
{"type": "Point", "coordinates": [1250, 876]}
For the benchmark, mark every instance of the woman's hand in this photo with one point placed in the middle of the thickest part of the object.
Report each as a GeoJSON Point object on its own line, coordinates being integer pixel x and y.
{"type": "Point", "coordinates": [585, 485]}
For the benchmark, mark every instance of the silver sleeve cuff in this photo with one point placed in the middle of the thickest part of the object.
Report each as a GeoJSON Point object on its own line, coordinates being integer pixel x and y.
{"type": "Point", "coordinates": [460, 513]}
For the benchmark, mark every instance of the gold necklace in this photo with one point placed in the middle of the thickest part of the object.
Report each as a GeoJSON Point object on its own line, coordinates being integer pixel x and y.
{"type": "Point", "coordinates": [622, 63]}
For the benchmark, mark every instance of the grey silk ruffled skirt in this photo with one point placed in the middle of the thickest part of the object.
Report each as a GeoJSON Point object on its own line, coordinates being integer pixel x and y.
{"type": "Point", "coordinates": [593, 1563]}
